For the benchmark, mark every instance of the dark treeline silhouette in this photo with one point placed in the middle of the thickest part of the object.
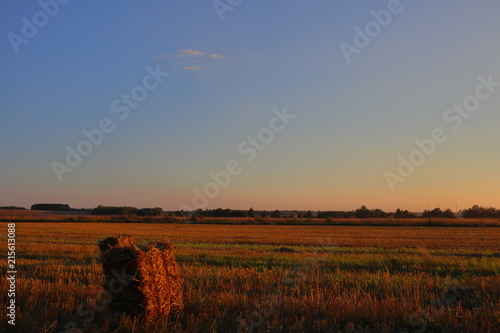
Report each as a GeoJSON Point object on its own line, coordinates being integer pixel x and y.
{"type": "Point", "coordinates": [112, 210]}
{"type": "Point", "coordinates": [336, 214]}
{"type": "Point", "coordinates": [12, 207]}
{"type": "Point", "coordinates": [481, 212]}
{"type": "Point", "coordinates": [364, 213]}
{"type": "Point", "coordinates": [45, 206]}
{"type": "Point", "coordinates": [361, 213]}
{"type": "Point", "coordinates": [157, 211]}
{"type": "Point", "coordinates": [219, 212]}
{"type": "Point", "coordinates": [437, 212]}
{"type": "Point", "coordinates": [403, 214]}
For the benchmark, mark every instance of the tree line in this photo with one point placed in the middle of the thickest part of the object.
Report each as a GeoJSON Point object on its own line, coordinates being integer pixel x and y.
{"type": "Point", "coordinates": [112, 210]}
{"type": "Point", "coordinates": [475, 211]}
{"type": "Point", "coordinates": [103, 210]}
{"type": "Point", "coordinates": [361, 213]}
{"type": "Point", "coordinates": [12, 207]}
{"type": "Point", "coordinates": [47, 206]}
{"type": "Point", "coordinates": [481, 212]}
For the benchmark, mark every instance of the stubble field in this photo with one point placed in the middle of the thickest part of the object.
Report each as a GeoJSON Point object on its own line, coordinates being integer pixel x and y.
{"type": "Point", "coordinates": [270, 278]}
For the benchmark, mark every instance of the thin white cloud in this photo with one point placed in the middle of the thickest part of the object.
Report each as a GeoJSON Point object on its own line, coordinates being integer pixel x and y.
{"type": "Point", "coordinates": [190, 52]}
{"type": "Point", "coordinates": [192, 61]}
{"type": "Point", "coordinates": [216, 56]}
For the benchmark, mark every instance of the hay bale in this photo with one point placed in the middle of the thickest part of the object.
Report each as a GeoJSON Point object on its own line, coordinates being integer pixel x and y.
{"type": "Point", "coordinates": [161, 246]}
{"type": "Point", "coordinates": [156, 287]}
{"type": "Point", "coordinates": [160, 281]}
{"type": "Point", "coordinates": [122, 261]}
{"type": "Point", "coordinates": [120, 240]}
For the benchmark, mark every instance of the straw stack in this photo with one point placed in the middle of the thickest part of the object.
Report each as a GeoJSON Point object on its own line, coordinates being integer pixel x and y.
{"type": "Point", "coordinates": [156, 289]}
{"type": "Point", "coordinates": [121, 240]}
{"type": "Point", "coordinates": [160, 281]}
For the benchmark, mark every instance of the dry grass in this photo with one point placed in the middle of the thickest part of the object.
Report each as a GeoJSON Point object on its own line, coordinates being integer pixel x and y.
{"type": "Point", "coordinates": [339, 279]}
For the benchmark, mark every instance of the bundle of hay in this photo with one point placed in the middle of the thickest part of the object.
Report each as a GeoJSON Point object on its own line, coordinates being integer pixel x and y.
{"type": "Point", "coordinates": [120, 240]}
{"type": "Point", "coordinates": [155, 289]}
{"type": "Point", "coordinates": [160, 281]}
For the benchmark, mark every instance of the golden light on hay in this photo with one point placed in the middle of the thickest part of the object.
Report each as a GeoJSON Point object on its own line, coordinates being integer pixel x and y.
{"type": "Point", "coordinates": [155, 292]}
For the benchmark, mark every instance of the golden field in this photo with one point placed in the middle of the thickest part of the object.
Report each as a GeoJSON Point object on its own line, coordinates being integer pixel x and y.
{"type": "Point", "coordinates": [270, 278]}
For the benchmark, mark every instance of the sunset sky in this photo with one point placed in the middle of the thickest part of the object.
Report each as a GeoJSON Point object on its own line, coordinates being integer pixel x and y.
{"type": "Point", "coordinates": [354, 113]}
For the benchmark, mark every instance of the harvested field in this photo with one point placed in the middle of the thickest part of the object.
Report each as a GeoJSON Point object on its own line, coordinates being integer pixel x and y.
{"type": "Point", "coordinates": [271, 278]}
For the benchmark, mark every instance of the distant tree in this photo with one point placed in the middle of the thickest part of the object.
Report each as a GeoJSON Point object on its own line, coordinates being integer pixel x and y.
{"type": "Point", "coordinates": [437, 212]}
{"type": "Point", "coordinates": [45, 206]}
{"type": "Point", "coordinates": [112, 210]}
{"type": "Point", "coordinates": [276, 214]}
{"type": "Point", "coordinates": [251, 212]}
{"type": "Point", "coordinates": [181, 213]}
{"type": "Point", "coordinates": [13, 207]}
{"type": "Point", "coordinates": [150, 212]}
{"type": "Point", "coordinates": [378, 213]}
{"type": "Point", "coordinates": [448, 214]}
{"type": "Point", "coordinates": [238, 213]}
{"type": "Point", "coordinates": [219, 212]}
{"type": "Point", "coordinates": [309, 215]}
{"type": "Point", "coordinates": [481, 212]}
{"type": "Point", "coordinates": [264, 213]}
{"type": "Point", "coordinates": [336, 214]}
{"type": "Point", "coordinates": [474, 212]}
{"type": "Point", "coordinates": [403, 214]}
{"type": "Point", "coordinates": [362, 213]}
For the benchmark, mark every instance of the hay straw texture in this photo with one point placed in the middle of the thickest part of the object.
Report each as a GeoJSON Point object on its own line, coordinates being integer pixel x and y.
{"type": "Point", "coordinates": [156, 289]}
{"type": "Point", "coordinates": [160, 282]}
{"type": "Point", "coordinates": [120, 240]}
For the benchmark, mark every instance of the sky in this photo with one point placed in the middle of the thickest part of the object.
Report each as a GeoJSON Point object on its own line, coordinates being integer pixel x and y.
{"type": "Point", "coordinates": [278, 104]}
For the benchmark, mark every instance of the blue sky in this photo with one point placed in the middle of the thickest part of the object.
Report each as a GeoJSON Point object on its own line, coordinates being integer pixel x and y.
{"type": "Point", "coordinates": [226, 77]}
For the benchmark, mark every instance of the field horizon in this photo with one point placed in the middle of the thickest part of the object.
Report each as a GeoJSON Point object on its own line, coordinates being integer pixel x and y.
{"type": "Point", "coordinates": [86, 217]}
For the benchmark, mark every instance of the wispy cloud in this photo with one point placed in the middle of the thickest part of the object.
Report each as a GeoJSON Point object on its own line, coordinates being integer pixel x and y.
{"type": "Point", "coordinates": [192, 59]}
{"type": "Point", "coordinates": [216, 56]}
{"type": "Point", "coordinates": [190, 52]}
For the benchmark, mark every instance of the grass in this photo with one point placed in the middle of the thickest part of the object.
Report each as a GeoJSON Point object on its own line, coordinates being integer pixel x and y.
{"type": "Point", "coordinates": [236, 279]}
